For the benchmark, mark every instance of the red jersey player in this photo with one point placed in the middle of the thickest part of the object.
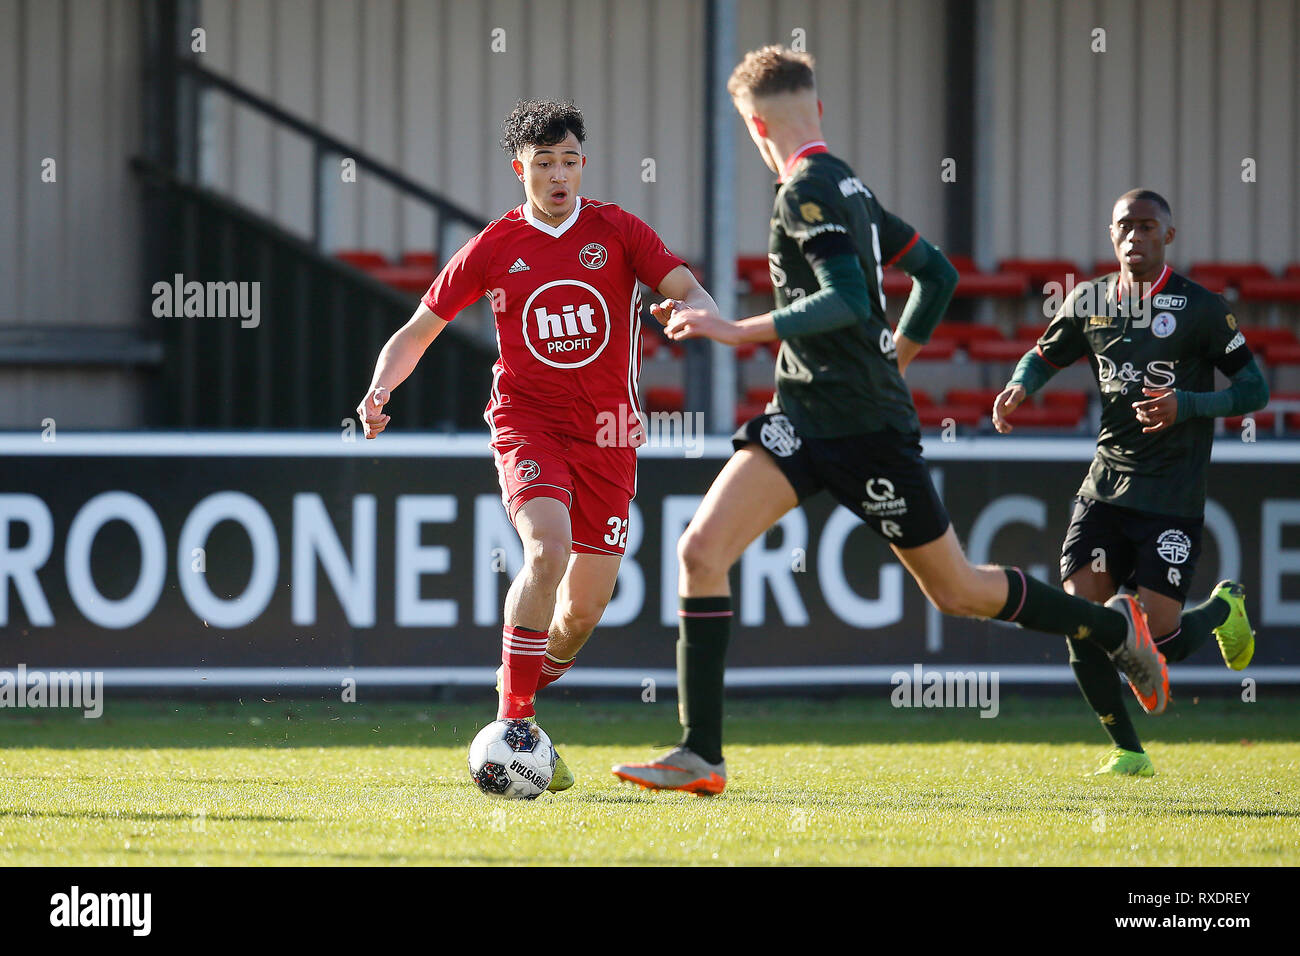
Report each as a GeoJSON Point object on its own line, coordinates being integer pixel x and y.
{"type": "Point", "coordinates": [561, 273]}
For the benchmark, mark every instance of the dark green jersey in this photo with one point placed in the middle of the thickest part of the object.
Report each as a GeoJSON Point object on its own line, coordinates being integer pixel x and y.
{"type": "Point", "coordinates": [846, 381]}
{"type": "Point", "coordinates": [1175, 337]}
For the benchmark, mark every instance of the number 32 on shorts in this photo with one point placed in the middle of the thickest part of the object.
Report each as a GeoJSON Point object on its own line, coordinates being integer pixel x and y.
{"type": "Point", "coordinates": [617, 536]}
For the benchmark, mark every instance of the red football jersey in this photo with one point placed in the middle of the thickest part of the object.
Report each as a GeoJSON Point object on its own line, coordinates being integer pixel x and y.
{"type": "Point", "coordinates": [567, 309]}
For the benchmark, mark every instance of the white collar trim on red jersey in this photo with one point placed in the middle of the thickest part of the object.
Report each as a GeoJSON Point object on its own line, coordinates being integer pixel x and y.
{"type": "Point", "coordinates": [553, 231]}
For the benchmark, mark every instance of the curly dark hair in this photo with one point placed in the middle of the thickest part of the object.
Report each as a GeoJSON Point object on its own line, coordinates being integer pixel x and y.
{"type": "Point", "coordinates": [541, 123]}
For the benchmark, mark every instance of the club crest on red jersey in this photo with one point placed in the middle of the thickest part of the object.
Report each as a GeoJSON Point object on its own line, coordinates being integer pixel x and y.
{"type": "Point", "coordinates": [593, 255]}
{"type": "Point", "coordinates": [566, 323]}
{"type": "Point", "coordinates": [527, 470]}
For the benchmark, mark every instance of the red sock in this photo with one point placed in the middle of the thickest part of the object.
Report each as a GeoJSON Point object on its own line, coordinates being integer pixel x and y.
{"type": "Point", "coordinates": [553, 670]}
{"type": "Point", "coordinates": [522, 653]}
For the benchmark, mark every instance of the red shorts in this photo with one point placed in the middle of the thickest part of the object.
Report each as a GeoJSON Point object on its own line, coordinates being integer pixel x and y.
{"type": "Point", "coordinates": [596, 484]}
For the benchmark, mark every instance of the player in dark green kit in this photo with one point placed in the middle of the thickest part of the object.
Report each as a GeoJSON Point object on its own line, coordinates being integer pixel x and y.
{"type": "Point", "coordinates": [1146, 331]}
{"type": "Point", "coordinates": [842, 420]}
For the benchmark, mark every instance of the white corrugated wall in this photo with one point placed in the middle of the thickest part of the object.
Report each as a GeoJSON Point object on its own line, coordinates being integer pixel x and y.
{"type": "Point", "coordinates": [418, 85]}
{"type": "Point", "coordinates": [69, 249]}
{"type": "Point", "coordinates": [1185, 91]}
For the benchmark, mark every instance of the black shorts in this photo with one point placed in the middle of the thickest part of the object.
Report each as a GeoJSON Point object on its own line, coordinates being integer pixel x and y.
{"type": "Point", "coordinates": [1137, 548]}
{"type": "Point", "coordinates": [879, 476]}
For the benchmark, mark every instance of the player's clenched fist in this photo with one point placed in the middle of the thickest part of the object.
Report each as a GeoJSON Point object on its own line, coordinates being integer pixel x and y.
{"type": "Point", "coordinates": [1006, 403]}
{"type": "Point", "coordinates": [371, 411]}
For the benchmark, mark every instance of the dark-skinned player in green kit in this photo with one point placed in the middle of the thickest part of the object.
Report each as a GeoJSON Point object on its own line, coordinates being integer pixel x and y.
{"type": "Point", "coordinates": [1154, 339]}
{"type": "Point", "coordinates": [842, 420]}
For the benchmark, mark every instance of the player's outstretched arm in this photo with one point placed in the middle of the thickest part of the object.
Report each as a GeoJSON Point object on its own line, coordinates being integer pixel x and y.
{"type": "Point", "coordinates": [1031, 374]}
{"type": "Point", "coordinates": [397, 360]}
{"type": "Point", "coordinates": [840, 300]}
{"type": "Point", "coordinates": [933, 281]}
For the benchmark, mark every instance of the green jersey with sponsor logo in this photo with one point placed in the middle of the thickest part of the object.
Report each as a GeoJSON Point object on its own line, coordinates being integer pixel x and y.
{"type": "Point", "coordinates": [846, 381]}
{"type": "Point", "coordinates": [1173, 337]}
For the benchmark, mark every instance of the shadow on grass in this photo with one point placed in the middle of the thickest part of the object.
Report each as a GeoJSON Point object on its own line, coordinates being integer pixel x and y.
{"type": "Point", "coordinates": [294, 724]}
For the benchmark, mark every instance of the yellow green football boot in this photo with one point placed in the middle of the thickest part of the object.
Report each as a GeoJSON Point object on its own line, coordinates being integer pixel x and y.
{"type": "Point", "coordinates": [1236, 639]}
{"type": "Point", "coordinates": [563, 778]}
{"type": "Point", "coordinates": [1126, 763]}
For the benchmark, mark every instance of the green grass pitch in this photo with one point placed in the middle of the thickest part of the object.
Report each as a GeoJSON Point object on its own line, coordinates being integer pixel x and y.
{"type": "Point", "coordinates": [812, 782]}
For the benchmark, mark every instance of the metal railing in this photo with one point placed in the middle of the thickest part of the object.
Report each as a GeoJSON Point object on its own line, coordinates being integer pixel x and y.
{"type": "Point", "coordinates": [305, 359]}
{"type": "Point", "coordinates": [194, 80]}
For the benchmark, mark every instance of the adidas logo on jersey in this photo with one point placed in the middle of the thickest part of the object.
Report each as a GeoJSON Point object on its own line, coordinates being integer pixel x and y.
{"type": "Point", "coordinates": [519, 266]}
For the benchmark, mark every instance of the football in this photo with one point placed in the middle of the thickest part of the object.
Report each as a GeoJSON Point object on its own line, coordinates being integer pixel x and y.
{"type": "Point", "coordinates": [513, 759]}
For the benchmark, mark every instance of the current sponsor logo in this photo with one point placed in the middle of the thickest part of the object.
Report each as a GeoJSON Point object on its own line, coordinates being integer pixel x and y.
{"type": "Point", "coordinates": [883, 502]}
{"type": "Point", "coordinates": [1174, 546]}
{"type": "Point", "coordinates": [888, 348]}
{"type": "Point", "coordinates": [1171, 302]}
{"type": "Point", "coordinates": [1237, 342]}
{"type": "Point", "coordinates": [566, 323]}
{"type": "Point", "coordinates": [779, 437]}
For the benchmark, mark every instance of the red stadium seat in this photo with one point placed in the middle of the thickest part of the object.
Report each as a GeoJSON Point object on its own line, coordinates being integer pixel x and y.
{"type": "Point", "coordinates": [921, 397]}
{"type": "Point", "coordinates": [980, 397]}
{"type": "Point", "coordinates": [649, 343]}
{"type": "Point", "coordinates": [1270, 290]}
{"type": "Point", "coordinates": [1293, 271]}
{"type": "Point", "coordinates": [1030, 333]}
{"type": "Point", "coordinates": [1039, 272]}
{"type": "Point", "coordinates": [935, 416]}
{"type": "Point", "coordinates": [1103, 267]}
{"type": "Point", "coordinates": [1065, 398]}
{"type": "Point", "coordinates": [753, 271]}
{"type": "Point", "coordinates": [1230, 273]}
{"type": "Point", "coordinates": [653, 340]}
{"type": "Point", "coordinates": [971, 283]}
{"type": "Point", "coordinates": [1282, 354]}
{"type": "Point", "coordinates": [1003, 350]}
{"type": "Point", "coordinates": [362, 258]}
{"type": "Point", "coordinates": [1212, 283]}
{"type": "Point", "coordinates": [426, 260]}
{"type": "Point", "coordinates": [1264, 420]}
{"type": "Point", "coordinates": [1263, 336]}
{"type": "Point", "coordinates": [758, 395]}
{"type": "Point", "coordinates": [962, 334]}
{"type": "Point", "coordinates": [406, 278]}
{"type": "Point", "coordinates": [665, 398]}
{"type": "Point", "coordinates": [1046, 416]}
{"type": "Point", "coordinates": [937, 350]}
{"type": "Point", "coordinates": [745, 411]}
{"type": "Point", "coordinates": [746, 351]}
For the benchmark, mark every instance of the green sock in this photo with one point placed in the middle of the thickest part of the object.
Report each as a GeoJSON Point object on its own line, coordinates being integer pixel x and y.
{"type": "Point", "coordinates": [1103, 691]}
{"type": "Point", "coordinates": [1041, 607]}
{"type": "Point", "coordinates": [704, 629]}
{"type": "Point", "coordinates": [1196, 627]}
